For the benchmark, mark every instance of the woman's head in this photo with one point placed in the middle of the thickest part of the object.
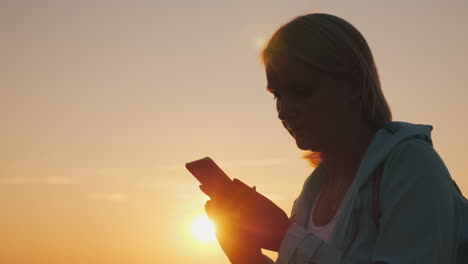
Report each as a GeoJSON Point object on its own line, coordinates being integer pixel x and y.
{"type": "Point", "coordinates": [322, 69]}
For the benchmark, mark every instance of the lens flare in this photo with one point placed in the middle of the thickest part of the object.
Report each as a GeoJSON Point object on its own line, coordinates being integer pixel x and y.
{"type": "Point", "coordinates": [203, 230]}
{"type": "Point", "coordinates": [260, 42]}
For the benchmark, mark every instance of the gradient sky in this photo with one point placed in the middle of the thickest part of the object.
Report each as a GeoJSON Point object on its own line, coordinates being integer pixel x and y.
{"type": "Point", "coordinates": [103, 102]}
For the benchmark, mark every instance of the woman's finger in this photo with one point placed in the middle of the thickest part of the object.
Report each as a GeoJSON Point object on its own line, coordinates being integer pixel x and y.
{"type": "Point", "coordinates": [215, 210]}
{"type": "Point", "coordinates": [242, 188]}
{"type": "Point", "coordinates": [244, 195]}
{"type": "Point", "coordinates": [209, 209]}
{"type": "Point", "coordinates": [204, 189]}
{"type": "Point", "coordinates": [240, 184]}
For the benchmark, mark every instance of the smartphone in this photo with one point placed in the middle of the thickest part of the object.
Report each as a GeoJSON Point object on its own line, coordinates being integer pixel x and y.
{"type": "Point", "coordinates": [209, 174]}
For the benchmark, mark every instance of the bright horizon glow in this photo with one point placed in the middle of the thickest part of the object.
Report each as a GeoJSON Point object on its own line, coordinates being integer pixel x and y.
{"type": "Point", "coordinates": [203, 230]}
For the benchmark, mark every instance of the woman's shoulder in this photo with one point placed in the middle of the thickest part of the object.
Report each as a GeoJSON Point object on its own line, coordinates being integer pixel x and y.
{"type": "Point", "coordinates": [416, 153]}
{"type": "Point", "coordinates": [414, 164]}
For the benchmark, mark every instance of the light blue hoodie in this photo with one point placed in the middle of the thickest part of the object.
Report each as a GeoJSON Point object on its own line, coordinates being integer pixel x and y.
{"type": "Point", "coordinates": [417, 223]}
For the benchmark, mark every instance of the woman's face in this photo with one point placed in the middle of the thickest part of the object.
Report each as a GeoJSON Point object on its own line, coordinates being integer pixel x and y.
{"type": "Point", "coordinates": [312, 105]}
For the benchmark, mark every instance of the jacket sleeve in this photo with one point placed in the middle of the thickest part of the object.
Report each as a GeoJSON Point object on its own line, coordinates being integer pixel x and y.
{"type": "Point", "coordinates": [417, 221]}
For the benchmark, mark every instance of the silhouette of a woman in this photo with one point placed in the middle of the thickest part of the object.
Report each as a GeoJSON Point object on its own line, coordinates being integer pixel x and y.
{"type": "Point", "coordinates": [328, 96]}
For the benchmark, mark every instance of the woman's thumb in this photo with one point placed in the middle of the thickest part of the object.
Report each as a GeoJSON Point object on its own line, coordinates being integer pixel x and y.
{"type": "Point", "coordinates": [204, 189]}
{"type": "Point", "coordinates": [210, 210]}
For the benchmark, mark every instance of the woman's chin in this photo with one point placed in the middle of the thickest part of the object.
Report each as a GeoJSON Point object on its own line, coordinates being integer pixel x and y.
{"type": "Point", "coordinates": [306, 143]}
{"type": "Point", "coordinates": [302, 144]}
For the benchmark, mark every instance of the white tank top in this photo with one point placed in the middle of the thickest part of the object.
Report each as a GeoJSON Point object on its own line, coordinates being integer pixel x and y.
{"type": "Point", "coordinates": [323, 232]}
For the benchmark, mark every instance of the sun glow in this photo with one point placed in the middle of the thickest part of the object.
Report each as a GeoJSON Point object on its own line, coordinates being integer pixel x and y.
{"type": "Point", "coordinates": [260, 42]}
{"type": "Point", "coordinates": [203, 230]}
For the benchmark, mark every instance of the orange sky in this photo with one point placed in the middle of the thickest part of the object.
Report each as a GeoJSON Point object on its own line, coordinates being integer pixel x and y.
{"type": "Point", "coordinates": [103, 102]}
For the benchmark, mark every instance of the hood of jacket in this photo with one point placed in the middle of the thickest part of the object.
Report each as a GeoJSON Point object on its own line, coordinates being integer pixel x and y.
{"type": "Point", "coordinates": [385, 140]}
{"type": "Point", "coordinates": [381, 145]}
{"type": "Point", "coordinates": [405, 149]}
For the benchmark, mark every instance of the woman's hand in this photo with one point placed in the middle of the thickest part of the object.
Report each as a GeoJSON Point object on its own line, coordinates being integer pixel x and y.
{"type": "Point", "coordinates": [264, 223]}
{"type": "Point", "coordinates": [233, 240]}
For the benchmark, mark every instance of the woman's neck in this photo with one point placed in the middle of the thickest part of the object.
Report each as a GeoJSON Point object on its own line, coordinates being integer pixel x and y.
{"type": "Point", "coordinates": [342, 159]}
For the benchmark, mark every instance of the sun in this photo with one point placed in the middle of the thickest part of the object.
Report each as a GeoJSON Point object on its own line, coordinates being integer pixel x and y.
{"type": "Point", "coordinates": [260, 42]}
{"type": "Point", "coordinates": [203, 230]}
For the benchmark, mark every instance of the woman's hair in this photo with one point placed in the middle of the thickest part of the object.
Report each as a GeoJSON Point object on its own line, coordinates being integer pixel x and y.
{"type": "Point", "coordinates": [330, 44]}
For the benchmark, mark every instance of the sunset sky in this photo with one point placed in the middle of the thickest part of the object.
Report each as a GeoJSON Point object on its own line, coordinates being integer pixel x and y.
{"type": "Point", "coordinates": [103, 102]}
